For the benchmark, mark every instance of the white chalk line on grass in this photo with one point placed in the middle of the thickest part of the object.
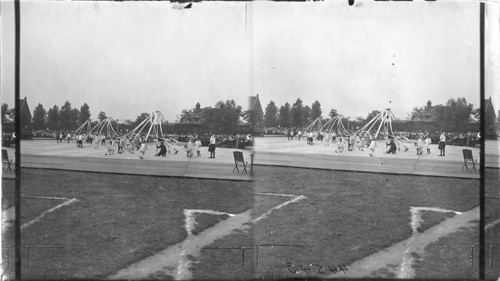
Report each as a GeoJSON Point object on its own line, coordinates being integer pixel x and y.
{"type": "Point", "coordinates": [67, 201]}
{"type": "Point", "coordinates": [492, 224]}
{"type": "Point", "coordinates": [294, 199]}
{"type": "Point", "coordinates": [406, 270]}
{"type": "Point", "coordinates": [174, 260]}
{"type": "Point", "coordinates": [183, 272]}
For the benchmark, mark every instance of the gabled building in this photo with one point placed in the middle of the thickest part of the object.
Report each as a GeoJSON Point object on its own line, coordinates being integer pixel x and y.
{"type": "Point", "coordinates": [255, 105]}
{"type": "Point", "coordinates": [490, 120]}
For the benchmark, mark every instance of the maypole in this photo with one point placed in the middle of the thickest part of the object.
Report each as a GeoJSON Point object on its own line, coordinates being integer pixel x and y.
{"type": "Point", "coordinates": [105, 124]}
{"type": "Point", "coordinates": [153, 124]}
{"type": "Point", "coordinates": [335, 122]}
{"type": "Point", "coordinates": [85, 128]}
{"type": "Point", "coordinates": [315, 126]}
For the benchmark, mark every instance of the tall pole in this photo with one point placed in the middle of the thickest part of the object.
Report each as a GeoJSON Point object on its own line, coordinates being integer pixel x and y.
{"type": "Point", "coordinates": [17, 222]}
{"type": "Point", "coordinates": [482, 142]}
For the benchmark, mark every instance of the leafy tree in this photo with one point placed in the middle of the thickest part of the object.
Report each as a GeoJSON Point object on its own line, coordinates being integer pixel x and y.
{"type": "Point", "coordinates": [284, 118]}
{"type": "Point", "coordinates": [251, 118]}
{"type": "Point", "coordinates": [333, 113]}
{"type": "Point", "coordinates": [306, 115]}
{"type": "Point", "coordinates": [53, 118]}
{"type": "Point", "coordinates": [271, 115]}
{"type": "Point", "coordinates": [296, 114]}
{"type": "Point", "coordinates": [418, 113]}
{"type": "Point", "coordinates": [143, 116]}
{"type": "Point", "coordinates": [186, 116]}
{"type": "Point", "coordinates": [6, 111]}
{"type": "Point", "coordinates": [74, 118]}
{"type": "Point", "coordinates": [84, 113]}
{"type": "Point", "coordinates": [315, 110]}
{"type": "Point", "coordinates": [229, 115]}
{"type": "Point", "coordinates": [372, 115]}
{"type": "Point", "coordinates": [477, 113]}
{"type": "Point", "coordinates": [66, 116]}
{"type": "Point", "coordinates": [457, 114]}
{"type": "Point", "coordinates": [102, 116]}
{"type": "Point", "coordinates": [39, 117]}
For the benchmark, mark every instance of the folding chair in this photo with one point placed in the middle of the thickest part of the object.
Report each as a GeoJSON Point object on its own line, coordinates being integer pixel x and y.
{"type": "Point", "coordinates": [5, 159]}
{"type": "Point", "coordinates": [238, 158]}
{"type": "Point", "coordinates": [468, 158]}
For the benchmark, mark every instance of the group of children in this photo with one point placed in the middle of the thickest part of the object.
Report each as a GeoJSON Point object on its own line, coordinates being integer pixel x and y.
{"type": "Point", "coordinates": [162, 149]}
{"type": "Point", "coordinates": [360, 142]}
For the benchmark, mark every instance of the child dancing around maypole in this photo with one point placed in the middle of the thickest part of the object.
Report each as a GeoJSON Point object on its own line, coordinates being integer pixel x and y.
{"type": "Point", "coordinates": [372, 146]}
{"type": "Point", "coordinates": [142, 150]}
{"type": "Point", "coordinates": [197, 144]}
{"type": "Point", "coordinates": [111, 148]}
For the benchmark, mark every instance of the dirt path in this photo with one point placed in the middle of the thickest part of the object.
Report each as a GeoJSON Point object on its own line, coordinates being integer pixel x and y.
{"type": "Point", "coordinates": [393, 261]}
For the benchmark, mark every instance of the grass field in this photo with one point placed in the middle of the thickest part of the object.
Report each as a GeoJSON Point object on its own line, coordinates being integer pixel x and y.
{"type": "Point", "coordinates": [117, 221]}
{"type": "Point", "coordinates": [120, 220]}
{"type": "Point", "coordinates": [345, 217]}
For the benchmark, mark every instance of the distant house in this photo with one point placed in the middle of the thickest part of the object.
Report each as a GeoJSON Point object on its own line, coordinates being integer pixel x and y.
{"type": "Point", "coordinates": [255, 105]}
{"type": "Point", "coordinates": [490, 120]}
{"type": "Point", "coordinates": [25, 115]}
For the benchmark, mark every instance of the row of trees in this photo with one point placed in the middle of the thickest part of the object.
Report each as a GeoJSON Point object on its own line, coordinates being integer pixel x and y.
{"type": "Point", "coordinates": [296, 115]}
{"type": "Point", "coordinates": [454, 115]}
{"type": "Point", "coordinates": [221, 118]}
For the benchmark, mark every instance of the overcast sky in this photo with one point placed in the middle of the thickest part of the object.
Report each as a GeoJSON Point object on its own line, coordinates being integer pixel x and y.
{"type": "Point", "coordinates": [125, 58]}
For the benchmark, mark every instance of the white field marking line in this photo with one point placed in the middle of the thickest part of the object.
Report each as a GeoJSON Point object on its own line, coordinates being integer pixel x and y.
{"type": "Point", "coordinates": [183, 265]}
{"type": "Point", "coordinates": [183, 272]}
{"type": "Point", "coordinates": [67, 201]}
{"type": "Point", "coordinates": [294, 199]}
{"type": "Point", "coordinates": [492, 224]}
{"type": "Point", "coordinates": [406, 270]}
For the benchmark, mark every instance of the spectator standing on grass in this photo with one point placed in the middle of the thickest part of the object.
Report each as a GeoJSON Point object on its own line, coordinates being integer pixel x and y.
{"type": "Point", "coordinates": [288, 133]}
{"type": "Point", "coordinates": [68, 137]}
{"type": "Point", "coordinates": [211, 146]}
{"type": "Point", "coordinates": [299, 135]}
{"type": "Point", "coordinates": [442, 144]}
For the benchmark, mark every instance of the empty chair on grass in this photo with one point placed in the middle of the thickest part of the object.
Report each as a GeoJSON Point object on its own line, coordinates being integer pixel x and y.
{"type": "Point", "coordinates": [238, 158]}
{"type": "Point", "coordinates": [468, 158]}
